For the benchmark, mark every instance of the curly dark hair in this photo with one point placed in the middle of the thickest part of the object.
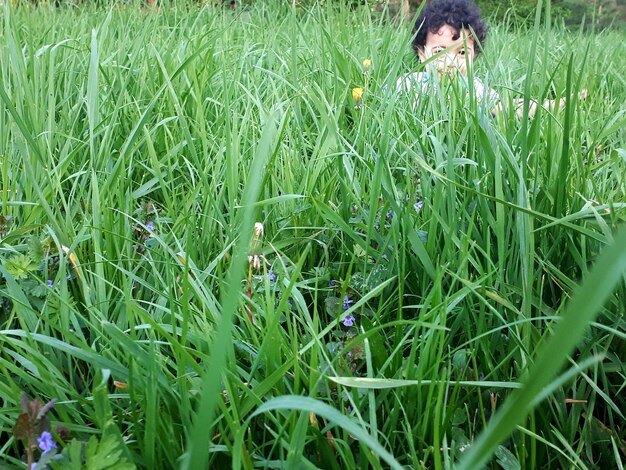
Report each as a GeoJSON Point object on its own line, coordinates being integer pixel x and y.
{"type": "Point", "coordinates": [459, 14]}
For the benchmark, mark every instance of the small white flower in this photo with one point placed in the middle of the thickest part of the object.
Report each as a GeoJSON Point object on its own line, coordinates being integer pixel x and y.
{"type": "Point", "coordinates": [255, 261]}
{"type": "Point", "coordinates": [258, 229]}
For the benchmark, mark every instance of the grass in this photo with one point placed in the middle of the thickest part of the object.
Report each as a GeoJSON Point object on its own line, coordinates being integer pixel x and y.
{"type": "Point", "coordinates": [138, 149]}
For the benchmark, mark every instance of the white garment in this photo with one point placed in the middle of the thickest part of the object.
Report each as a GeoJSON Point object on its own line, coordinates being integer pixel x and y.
{"type": "Point", "coordinates": [421, 83]}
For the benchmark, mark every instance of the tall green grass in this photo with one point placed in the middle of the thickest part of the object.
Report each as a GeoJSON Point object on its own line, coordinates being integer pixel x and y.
{"type": "Point", "coordinates": [202, 122]}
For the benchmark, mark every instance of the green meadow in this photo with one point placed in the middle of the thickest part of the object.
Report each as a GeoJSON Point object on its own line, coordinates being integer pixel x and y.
{"type": "Point", "coordinates": [432, 287]}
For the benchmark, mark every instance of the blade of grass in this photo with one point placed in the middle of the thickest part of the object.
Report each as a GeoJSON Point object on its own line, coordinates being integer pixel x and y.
{"type": "Point", "coordinates": [584, 307]}
{"type": "Point", "coordinates": [310, 405]}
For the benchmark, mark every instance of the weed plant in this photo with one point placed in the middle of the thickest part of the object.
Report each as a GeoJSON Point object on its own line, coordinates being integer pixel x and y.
{"type": "Point", "coordinates": [427, 291]}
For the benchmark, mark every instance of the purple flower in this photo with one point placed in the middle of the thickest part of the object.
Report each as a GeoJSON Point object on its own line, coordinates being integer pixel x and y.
{"type": "Point", "coordinates": [150, 226]}
{"type": "Point", "coordinates": [332, 283]}
{"type": "Point", "coordinates": [68, 277]}
{"type": "Point", "coordinates": [49, 283]}
{"type": "Point", "coordinates": [418, 206]}
{"type": "Point", "coordinates": [346, 302]}
{"type": "Point", "coordinates": [348, 321]}
{"type": "Point", "coordinates": [389, 214]}
{"type": "Point", "coordinates": [271, 275]}
{"type": "Point", "coordinates": [46, 444]}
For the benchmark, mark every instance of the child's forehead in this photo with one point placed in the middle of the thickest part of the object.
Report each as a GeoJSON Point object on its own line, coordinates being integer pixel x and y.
{"type": "Point", "coordinates": [447, 34]}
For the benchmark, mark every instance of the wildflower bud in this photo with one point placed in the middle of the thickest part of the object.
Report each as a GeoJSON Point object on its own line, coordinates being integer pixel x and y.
{"type": "Point", "coordinates": [256, 245]}
{"type": "Point", "coordinates": [258, 229]}
{"type": "Point", "coordinates": [357, 94]}
{"type": "Point", "coordinates": [255, 261]}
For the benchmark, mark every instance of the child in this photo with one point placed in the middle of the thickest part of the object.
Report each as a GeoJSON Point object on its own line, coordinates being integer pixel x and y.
{"type": "Point", "coordinates": [449, 35]}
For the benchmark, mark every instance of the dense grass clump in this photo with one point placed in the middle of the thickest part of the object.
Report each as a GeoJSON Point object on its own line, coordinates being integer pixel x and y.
{"type": "Point", "coordinates": [419, 261]}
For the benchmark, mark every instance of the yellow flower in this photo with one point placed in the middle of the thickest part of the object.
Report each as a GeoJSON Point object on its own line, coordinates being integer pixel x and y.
{"type": "Point", "coordinates": [357, 94]}
{"type": "Point", "coordinates": [367, 63]}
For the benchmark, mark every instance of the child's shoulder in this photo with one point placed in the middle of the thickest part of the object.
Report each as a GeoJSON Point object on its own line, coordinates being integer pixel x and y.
{"type": "Point", "coordinates": [483, 92]}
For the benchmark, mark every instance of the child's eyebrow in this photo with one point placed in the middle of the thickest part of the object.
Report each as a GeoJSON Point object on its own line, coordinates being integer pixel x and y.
{"type": "Point", "coordinates": [452, 46]}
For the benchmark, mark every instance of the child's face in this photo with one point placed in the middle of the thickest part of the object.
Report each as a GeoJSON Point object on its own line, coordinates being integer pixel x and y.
{"type": "Point", "coordinates": [459, 53]}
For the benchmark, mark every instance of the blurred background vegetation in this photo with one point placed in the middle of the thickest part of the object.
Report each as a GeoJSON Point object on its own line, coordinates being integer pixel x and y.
{"type": "Point", "coordinates": [590, 14]}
